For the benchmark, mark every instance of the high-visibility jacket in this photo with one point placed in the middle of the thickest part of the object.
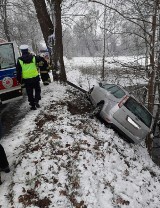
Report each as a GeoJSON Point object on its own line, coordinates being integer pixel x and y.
{"type": "Point", "coordinates": [29, 70]}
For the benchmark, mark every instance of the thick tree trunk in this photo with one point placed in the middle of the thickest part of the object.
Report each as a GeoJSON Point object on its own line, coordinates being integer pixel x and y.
{"type": "Point", "coordinates": [47, 28]}
{"type": "Point", "coordinates": [4, 19]}
{"type": "Point", "coordinates": [152, 74]}
{"type": "Point", "coordinates": [44, 19]}
{"type": "Point", "coordinates": [151, 84]}
{"type": "Point", "coordinates": [58, 55]}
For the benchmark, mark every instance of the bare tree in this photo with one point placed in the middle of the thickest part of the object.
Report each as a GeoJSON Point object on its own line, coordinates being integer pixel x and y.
{"type": "Point", "coordinates": [58, 52]}
{"type": "Point", "coordinates": [153, 68]}
{"type": "Point", "coordinates": [44, 19]}
{"type": "Point", "coordinates": [4, 18]}
{"type": "Point", "coordinates": [48, 29]}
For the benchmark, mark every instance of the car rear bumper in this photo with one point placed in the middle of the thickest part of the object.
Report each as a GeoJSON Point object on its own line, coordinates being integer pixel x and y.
{"type": "Point", "coordinates": [10, 95]}
{"type": "Point", "coordinates": [116, 125]}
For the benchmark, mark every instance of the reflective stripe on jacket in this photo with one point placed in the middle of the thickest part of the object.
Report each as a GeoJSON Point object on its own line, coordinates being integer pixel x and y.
{"type": "Point", "coordinates": [29, 70]}
{"type": "Point", "coordinates": [44, 72]}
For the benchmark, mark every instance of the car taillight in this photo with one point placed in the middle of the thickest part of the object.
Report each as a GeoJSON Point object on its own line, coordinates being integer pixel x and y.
{"type": "Point", "coordinates": [123, 101]}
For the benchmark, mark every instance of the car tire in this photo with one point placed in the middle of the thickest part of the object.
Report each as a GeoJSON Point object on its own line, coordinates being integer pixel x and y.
{"type": "Point", "coordinates": [97, 110]}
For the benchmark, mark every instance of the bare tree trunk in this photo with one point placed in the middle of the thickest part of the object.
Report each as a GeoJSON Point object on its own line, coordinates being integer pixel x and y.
{"type": "Point", "coordinates": [44, 19]}
{"type": "Point", "coordinates": [151, 83]}
{"type": "Point", "coordinates": [58, 53]}
{"type": "Point", "coordinates": [4, 19]}
{"type": "Point", "coordinates": [47, 28]}
{"type": "Point", "coordinates": [104, 44]}
{"type": "Point", "coordinates": [152, 75]}
{"type": "Point", "coordinates": [157, 85]}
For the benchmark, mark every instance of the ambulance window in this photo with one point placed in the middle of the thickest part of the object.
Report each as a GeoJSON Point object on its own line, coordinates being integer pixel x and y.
{"type": "Point", "coordinates": [7, 57]}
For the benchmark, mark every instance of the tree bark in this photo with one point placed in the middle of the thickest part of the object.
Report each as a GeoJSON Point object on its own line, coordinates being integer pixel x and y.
{"type": "Point", "coordinates": [152, 73]}
{"type": "Point", "coordinates": [44, 19]}
{"type": "Point", "coordinates": [58, 53]}
{"type": "Point", "coordinates": [4, 18]}
{"type": "Point", "coordinates": [47, 28]}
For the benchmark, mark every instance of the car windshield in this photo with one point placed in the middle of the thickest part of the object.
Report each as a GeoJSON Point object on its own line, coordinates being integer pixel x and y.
{"type": "Point", "coordinates": [114, 90]}
{"type": "Point", "coordinates": [139, 111]}
{"type": "Point", "coordinates": [7, 59]}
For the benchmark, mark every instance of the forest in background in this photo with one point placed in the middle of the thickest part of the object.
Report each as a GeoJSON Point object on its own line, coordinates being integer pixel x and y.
{"type": "Point", "coordinates": [83, 23]}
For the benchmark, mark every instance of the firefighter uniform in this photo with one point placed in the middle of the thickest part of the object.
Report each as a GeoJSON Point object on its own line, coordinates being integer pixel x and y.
{"type": "Point", "coordinates": [44, 70]}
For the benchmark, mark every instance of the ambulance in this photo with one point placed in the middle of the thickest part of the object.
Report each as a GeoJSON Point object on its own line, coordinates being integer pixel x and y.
{"type": "Point", "coordinates": [10, 89]}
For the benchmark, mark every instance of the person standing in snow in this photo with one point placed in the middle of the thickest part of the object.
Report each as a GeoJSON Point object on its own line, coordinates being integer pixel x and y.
{"type": "Point", "coordinates": [27, 73]}
{"type": "Point", "coordinates": [4, 165]}
{"type": "Point", "coordinates": [44, 70]}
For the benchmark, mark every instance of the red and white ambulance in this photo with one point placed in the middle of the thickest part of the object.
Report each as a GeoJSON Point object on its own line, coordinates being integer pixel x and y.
{"type": "Point", "coordinates": [10, 89]}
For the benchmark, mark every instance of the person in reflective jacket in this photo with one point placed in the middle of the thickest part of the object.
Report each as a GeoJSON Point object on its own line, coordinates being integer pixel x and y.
{"type": "Point", "coordinates": [27, 73]}
{"type": "Point", "coordinates": [44, 70]}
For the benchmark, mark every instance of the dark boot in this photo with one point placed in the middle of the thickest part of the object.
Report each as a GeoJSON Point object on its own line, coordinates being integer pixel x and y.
{"type": "Point", "coordinates": [6, 169]}
{"type": "Point", "coordinates": [37, 105]}
{"type": "Point", "coordinates": [33, 107]}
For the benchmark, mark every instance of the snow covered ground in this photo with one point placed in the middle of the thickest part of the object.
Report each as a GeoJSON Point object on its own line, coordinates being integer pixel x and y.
{"type": "Point", "coordinates": [93, 68]}
{"type": "Point", "coordinates": [112, 62]}
{"type": "Point", "coordinates": [62, 158]}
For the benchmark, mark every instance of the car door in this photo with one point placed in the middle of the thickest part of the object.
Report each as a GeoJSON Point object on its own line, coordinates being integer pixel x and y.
{"type": "Point", "coordinates": [7, 67]}
{"type": "Point", "coordinates": [98, 94]}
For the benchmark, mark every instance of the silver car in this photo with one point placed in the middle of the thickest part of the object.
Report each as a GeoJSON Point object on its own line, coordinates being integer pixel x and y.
{"type": "Point", "coordinates": [120, 109]}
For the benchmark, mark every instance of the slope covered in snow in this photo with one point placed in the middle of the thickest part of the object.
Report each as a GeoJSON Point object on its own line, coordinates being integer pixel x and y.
{"type": "Point", "coordinates": [62, 158]}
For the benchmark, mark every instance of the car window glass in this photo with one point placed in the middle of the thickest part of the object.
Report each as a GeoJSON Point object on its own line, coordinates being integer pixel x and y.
{"type": "Point", "coordinates": [107, 86]}
{"type": "Point", "coordinates": [139, 111]}
{"type": "Point", "coordinates": [119, 93]}
{"type": "Point", "coordinates": [114, 90]}
{"type": "Point", "coordinates": [7, 59]}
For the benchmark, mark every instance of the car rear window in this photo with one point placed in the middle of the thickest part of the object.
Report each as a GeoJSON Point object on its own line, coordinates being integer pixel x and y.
{"type": "Point", "coordinates": [139, 111]}
{"type": "Point", "coordinates": [107, 86]}
{"type": "Point", "coordinates": [114, 90]}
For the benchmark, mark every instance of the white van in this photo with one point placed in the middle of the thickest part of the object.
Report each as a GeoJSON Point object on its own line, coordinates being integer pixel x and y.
{"type": "Point", "coordinates": [10, 89]}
